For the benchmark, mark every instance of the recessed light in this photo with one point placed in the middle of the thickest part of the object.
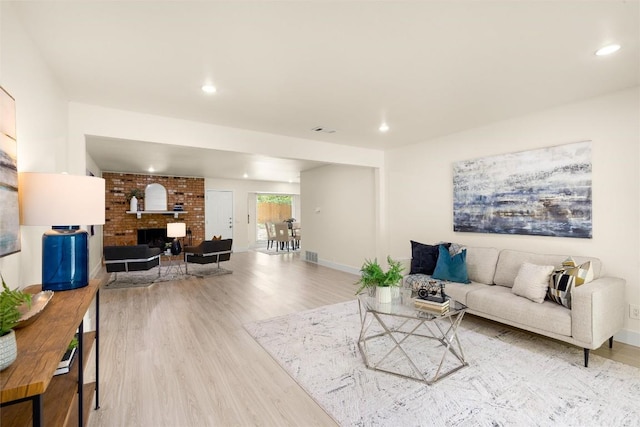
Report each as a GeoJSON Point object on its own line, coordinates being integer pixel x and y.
{"type": "Point", "coordinates": [209, 89]}
{"type": "Point", "coordinates": [608, 50]}
{"type": "Point", "coordinates": [383, 127]}
{"type": "Point", "coordinates": [151, 169]}
{"type": "Point", "coordinates": [245, 175]}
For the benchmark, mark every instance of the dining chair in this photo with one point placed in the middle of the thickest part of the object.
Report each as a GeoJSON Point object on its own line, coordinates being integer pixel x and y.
{"type": "Point", "coordinates": [271, 234]}
{"type": "Point", "coordinates": [296, 232]}
{"type": "Point", "coordinates": [283, 236]}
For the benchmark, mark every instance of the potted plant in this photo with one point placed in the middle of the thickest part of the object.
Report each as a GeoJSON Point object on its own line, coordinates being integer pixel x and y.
{"type": "Point", "coordinates": [373, 277]}
{"type": "Point", "coordinates": [9, 316]}
{"type": "Point", "coordinates": [133, 197]}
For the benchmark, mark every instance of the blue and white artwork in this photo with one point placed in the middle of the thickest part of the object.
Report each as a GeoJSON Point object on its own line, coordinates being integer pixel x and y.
{"type": "Point", "coordinates": [9, 217]}
{"type": "Point", "coordinates": [544, 192]}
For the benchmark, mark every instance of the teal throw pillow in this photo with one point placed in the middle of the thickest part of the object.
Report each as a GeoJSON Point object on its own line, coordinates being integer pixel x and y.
{"type": "Point", "coordinates": [452, 268]}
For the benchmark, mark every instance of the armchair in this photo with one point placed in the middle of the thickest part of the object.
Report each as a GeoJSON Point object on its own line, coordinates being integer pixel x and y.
{"type": "Point", "coordinates": [131, 258]}
{"type": "Point", "coordinates": [207, 252]}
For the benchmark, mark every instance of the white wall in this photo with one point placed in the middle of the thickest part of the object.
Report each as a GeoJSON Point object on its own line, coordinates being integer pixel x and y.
{"type": "Point", "coordinates": [244, 191]}
{"type": "Point", "coordinates": [420, 189]}
{"type": "Point", "coordinates": [339, 215]}
{"type": "Point", "coordinates": [95, 240]}
{"type": "Point", "coordinates": [108, 122]}
{"type": "Point", "coordinates": [41, 119]}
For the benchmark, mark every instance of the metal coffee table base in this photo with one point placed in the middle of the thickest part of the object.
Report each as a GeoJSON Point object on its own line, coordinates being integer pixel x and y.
{"type": "Point", "coordinates": [446, 334]}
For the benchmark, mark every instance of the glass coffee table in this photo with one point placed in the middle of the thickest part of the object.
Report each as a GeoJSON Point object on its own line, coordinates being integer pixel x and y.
{"type": "Point", "coordinates": [402, 340]}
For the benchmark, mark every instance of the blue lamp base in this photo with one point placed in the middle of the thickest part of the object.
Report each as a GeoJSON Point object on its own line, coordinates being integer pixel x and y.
{"type": "Point", "coordinates": [65, 259]}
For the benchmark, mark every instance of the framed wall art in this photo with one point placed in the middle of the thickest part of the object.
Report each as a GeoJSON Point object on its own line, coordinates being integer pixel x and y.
{"type": "Point", "coordinates": [544, 192]}
{"type": "Point", "coordinates": [9, 210]}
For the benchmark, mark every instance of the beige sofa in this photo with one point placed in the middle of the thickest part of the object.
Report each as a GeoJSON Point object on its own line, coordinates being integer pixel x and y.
{"type": "Point", "coordinates": [597, 308]}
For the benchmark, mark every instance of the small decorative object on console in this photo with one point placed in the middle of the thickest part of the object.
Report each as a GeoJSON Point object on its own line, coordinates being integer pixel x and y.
{"type": "Point", "coordinates": [65, 364]}
{"type": "Point", "coordinates": [433, 290]}
{"type": "Point", "coordinates": [432, 306]}
{"type": "Point", "coordinates": [30, 312]}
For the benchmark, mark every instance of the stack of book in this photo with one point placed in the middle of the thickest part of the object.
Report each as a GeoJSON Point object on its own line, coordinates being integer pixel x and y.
{"type": "Point", "coordinates": [436, 307]}
{"type": "Point", "coordinates": [65, 364]}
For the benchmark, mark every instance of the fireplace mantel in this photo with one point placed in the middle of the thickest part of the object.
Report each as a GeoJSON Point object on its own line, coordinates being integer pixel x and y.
{"type": "Point", "coordinates": [139, 214]}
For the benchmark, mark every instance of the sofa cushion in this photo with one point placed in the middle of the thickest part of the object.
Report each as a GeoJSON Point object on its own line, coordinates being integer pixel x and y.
{"type": "Point", "coordinates": [566, 278]}
{"type": "Point", "coordinates": [481, 264]}
{"type": "Point", "coordinates": [509, 263]}
{"type": "Point", "coordinates": [453, 268]}
{"type": "Point", "coordinates": [532, 281]}
{"type": "Point", "coordinates": [423, 258]}
{"type": "Point", "coordinates": [499, 302]}
{"type": "Point", "coordinates": [460, 291]}
{"type": "Point", "coordinates": [583, 272]}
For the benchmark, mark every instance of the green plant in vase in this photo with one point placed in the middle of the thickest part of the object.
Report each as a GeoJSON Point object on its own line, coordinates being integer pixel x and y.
{"type": "Point", "coordinates": [372, 276]}
{"type": "Point", "coordinates": [134, 197]}
{"type": "Point", "coordinates": [9, 316]}
{"type": "Point", "coordinates": [137, 193]}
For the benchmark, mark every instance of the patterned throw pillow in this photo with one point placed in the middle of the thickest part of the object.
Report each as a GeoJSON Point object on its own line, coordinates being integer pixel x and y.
{"type": "Point", "coordinates": [416, 281]}
{"type": "Point", "coordinates": [567, 277]}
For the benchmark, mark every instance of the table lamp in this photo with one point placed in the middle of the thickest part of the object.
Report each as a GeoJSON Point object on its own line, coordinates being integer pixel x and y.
{"type": "Point", "coordinates": [63, 202]}
{"type": "Point", "coordinates": [175, 230]}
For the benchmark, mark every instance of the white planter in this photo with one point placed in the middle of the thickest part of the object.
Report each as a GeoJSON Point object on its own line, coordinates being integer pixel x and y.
{"type": "Point", "coordinates": [8, 350]}
{"type": "Point", "coordinates": [383, 293]}
{"type": "Point", "coordinates": [133, 204]}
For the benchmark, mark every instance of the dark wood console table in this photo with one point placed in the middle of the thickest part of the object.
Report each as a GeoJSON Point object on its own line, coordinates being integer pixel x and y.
{"type": "Point", "coordinates": [29, 392]}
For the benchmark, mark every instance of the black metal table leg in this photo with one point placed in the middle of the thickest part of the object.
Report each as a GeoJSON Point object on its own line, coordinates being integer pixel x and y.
{"type": "Point", "coordinates": [97, 350]}
{"type": "Point", "coordinates": [37, 410]}
{"type": "Point", "coordinates": [80, 373]}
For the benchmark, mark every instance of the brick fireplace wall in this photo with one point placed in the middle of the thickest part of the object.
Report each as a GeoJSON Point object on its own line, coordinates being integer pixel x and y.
{"type": "Point", "coordinates": [121, 228]}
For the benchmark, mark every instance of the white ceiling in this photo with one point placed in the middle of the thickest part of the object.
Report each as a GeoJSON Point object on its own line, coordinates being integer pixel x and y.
{"type": "Point", "coordinates": [192, 161]}
{"type": "Point", "coordinates": [427, 68]}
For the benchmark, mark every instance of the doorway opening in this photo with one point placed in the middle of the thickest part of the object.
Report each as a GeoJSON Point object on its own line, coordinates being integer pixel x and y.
{"type": "Point", "coordinates": [271, 208]}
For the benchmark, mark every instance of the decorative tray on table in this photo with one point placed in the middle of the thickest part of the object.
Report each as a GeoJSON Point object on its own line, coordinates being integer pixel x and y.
{"type": "Point", "coordinates": [29, 314]}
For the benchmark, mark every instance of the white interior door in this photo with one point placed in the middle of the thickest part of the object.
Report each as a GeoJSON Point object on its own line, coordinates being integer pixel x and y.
{"type": "Point", "coordinates": [219, 214]}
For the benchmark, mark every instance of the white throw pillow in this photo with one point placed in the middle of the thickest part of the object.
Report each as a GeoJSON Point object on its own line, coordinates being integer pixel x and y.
{"type": "Point", "coordinates": [532, 281]}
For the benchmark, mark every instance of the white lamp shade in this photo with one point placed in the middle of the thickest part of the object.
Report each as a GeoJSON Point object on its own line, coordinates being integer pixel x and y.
{"type": "Point", "coordinates": [59, 199]}
{"type": "Point", "coordinates": [176, 229]}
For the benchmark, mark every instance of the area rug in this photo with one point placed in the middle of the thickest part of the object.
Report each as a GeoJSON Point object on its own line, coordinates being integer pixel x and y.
{"type": "Point", "coordinates": [513, 378]}
{"type": "Point", "coordinates": [139, 279]}
{"type": "Point", "coordinates": [274, 252]}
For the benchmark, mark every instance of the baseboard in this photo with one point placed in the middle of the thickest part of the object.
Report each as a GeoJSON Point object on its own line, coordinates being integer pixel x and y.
{"type": "Point", "coordinates": [628, 337]}
{"type": "Point", "coordinates": [340, 267]}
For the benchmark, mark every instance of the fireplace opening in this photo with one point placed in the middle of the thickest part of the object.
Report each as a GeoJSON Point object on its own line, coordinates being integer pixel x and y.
{"type": "Point", "coordinates": [154, 237]}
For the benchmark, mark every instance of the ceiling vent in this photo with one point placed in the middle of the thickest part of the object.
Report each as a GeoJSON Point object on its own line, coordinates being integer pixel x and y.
{"type": "Point", "coordinates": [323, 129]}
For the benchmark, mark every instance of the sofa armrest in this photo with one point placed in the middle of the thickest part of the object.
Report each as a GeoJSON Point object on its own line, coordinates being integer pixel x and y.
{"type": "Point", "coordinates": [597, 310]}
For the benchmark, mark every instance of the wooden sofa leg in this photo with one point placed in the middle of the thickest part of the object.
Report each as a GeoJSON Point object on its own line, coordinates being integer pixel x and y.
{"type": "Point", "coordinates": [586, 357]}
{"type": "Point", "coordinates": [611, 342]}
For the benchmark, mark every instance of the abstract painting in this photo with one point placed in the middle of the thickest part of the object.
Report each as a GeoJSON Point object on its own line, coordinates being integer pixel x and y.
{"type": "Point", "coordinates": [543, 192]}
{"type": "Point", "coordinates": [9, 213]}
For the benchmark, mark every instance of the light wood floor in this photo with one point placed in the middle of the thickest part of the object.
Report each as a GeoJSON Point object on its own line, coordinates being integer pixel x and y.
{"type": "Point", "coordinates": [176, 354]}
